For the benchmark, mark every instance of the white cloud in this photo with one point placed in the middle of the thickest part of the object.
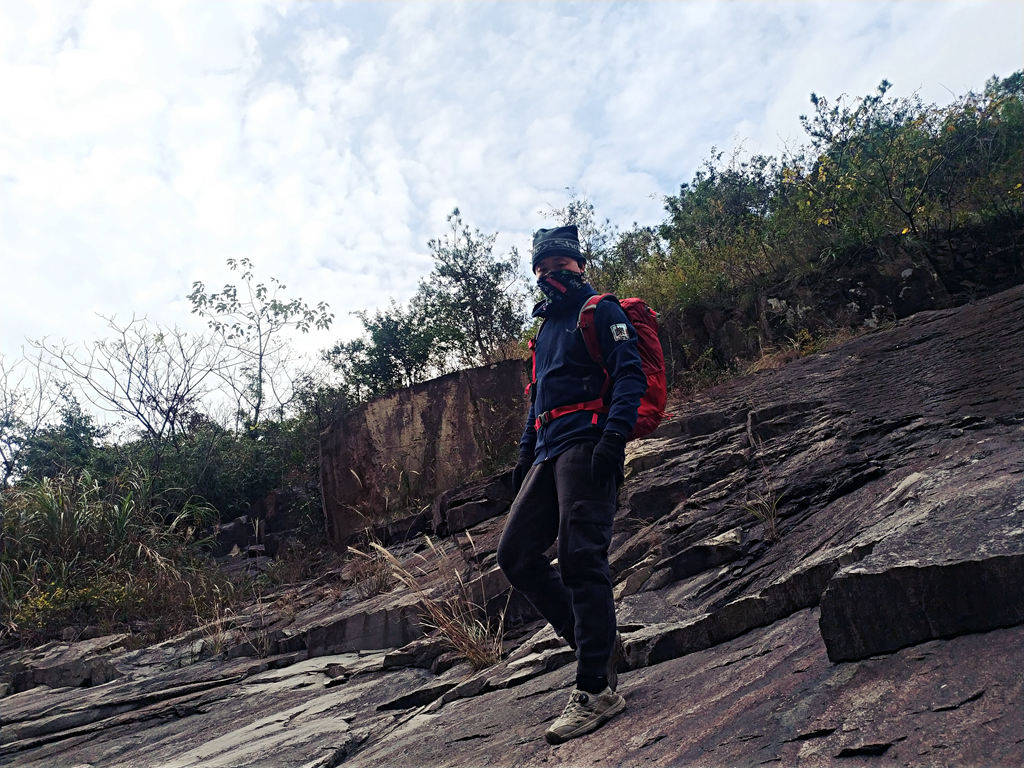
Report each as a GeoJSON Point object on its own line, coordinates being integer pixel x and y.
{"type": "Point", "coordinates": [142, 144]}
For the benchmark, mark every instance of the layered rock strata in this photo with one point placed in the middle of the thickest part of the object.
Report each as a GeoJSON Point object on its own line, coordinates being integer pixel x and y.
{"type": "Point", "coordinates": [815, 565]}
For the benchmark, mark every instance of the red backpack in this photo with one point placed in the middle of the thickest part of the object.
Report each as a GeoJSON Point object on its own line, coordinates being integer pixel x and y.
{"type": "Point", "coordinates": [652, 404]}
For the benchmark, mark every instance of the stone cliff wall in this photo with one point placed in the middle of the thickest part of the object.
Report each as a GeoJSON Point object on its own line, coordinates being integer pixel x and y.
{"type": "Point", "coordinates": [395, 451]}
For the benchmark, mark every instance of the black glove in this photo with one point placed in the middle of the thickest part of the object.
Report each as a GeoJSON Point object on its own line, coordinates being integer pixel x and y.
{"type": "Point", "coordinates": [608, 457]}
{"type": "Point", "coordinates": [519, 473]}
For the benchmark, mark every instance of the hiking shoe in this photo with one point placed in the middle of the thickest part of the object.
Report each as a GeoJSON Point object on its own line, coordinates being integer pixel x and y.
{"type": "Point", "coordinates": [615, 661]}
{"type": "Point", "coordinates": [584, 712]}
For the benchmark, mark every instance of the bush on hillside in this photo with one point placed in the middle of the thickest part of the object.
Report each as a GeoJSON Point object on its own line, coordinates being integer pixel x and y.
{"type": "Point", "coordinates": [875, 167]}
{"type": "Point", "coordinates": [77, 553]}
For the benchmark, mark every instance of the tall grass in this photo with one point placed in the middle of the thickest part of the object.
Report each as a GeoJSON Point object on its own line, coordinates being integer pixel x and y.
{"type": "Point", "coordinates": [763, 505]}
{"type": "Point", "coordinates": [451, 607]}
{"type": "Point", "coordinates": [371, 571]}
{"type": "Point", "coordinates": [78, 555]}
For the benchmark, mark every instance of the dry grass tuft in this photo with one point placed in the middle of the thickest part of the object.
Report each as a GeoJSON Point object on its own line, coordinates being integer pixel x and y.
{"type": "Point", "coordinates": [300, 561]}
{"type": "Point", "coordinates": [762, 504]}
{"type": "Point", "coordinates": [800, 345]}
{"type": "Point", "coordinates": [371, 572]}
{"type": "Point", "coordinates": [451, 608]}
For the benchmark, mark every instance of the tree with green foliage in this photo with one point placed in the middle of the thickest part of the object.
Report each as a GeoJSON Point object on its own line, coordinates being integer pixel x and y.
{"type": "Point", "coordinates": [468, 311]}
{"type": "Point", "coordinates": [28, 396]}
{"type": "Point", "coordinates": [250, 318]}
{"type": "Point", "coordinates": [73, 443]}
{"type": "Point", "coordinates": [633, 248]}
{"type": "Point", "coordinates": [612, 256]}
{"type": "Point", "coordinates": [717, 224]}
{"type": "Point", "coordinates": [157, 378]}
{"type": "Point", "coordinates": [473, 299]}
{"type": "Point", "coordinates": [597, 238]}
{"type": "Point", "coordinates": [321, 400]}
{"type": "Point", "coordinates": [400, 347]}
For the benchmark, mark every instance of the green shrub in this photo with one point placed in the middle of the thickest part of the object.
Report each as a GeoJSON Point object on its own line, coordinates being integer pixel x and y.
{"type": "Point", "coordinates": [227, 470]}
{"type": "Point", "coordinates": [77, 553]}
{"type": "Point", "coordinates": [875, 167]}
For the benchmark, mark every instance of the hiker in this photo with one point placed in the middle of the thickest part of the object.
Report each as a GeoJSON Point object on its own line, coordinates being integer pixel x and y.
{"type": "Point", "coordinates": [568, 474]}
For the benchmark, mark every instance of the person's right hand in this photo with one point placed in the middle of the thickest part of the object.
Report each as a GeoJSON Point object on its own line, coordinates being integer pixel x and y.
{"type": "Point", "coordinates": [519, 473]}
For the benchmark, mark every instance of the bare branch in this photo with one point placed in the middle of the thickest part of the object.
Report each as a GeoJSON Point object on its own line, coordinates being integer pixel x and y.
{"type": "Point", "coordinates": [29, 394]}
{"type": "Point", "coordinates": [153, 375]}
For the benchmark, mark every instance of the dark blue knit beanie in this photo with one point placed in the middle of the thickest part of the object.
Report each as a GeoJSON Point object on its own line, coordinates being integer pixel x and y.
{"type": "Point", "coordinates": [557, 241]}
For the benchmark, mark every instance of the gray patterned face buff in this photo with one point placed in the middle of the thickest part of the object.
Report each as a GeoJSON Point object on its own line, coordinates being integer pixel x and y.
{"type": "Point", "coordinates": [561, 284]}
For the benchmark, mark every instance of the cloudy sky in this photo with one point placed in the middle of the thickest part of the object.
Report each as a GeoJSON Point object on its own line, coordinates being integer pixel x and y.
{"type": "Point", "coordinates": [143, 143]}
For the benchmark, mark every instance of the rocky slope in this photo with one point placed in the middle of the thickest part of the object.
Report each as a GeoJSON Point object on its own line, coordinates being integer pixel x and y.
{"type": "Point", "coordinates": [817, 565]}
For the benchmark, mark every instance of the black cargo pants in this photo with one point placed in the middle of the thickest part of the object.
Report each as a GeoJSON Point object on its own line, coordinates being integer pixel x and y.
{"type": "Point", "coordinates": [559, 498]}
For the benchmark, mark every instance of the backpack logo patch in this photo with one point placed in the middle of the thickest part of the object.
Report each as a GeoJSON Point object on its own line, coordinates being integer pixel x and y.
{"type": "Point", "coordinates": [620, 332]}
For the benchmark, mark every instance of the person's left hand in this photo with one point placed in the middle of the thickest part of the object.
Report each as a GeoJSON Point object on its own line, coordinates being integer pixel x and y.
{"type": "Point", "coordinates": [521, 470]}
{"type": "Point", "coordinates": [608, 457]}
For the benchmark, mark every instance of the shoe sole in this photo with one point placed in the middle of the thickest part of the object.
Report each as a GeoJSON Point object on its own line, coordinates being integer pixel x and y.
{"type": "Point", "coordinates": [556, 738]}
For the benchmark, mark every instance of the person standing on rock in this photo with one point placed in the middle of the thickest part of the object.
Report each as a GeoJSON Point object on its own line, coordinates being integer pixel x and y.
{"type": "Point", "coordinates": [570, 466]}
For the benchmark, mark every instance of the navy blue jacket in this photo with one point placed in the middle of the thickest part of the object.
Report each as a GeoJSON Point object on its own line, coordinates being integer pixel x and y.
{"type": "Point", "coordinates": [566, 374]}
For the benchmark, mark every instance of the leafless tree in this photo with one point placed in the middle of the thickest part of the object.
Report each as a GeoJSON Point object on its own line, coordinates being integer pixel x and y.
{"type": "Point", "coordinates": [156, 377]}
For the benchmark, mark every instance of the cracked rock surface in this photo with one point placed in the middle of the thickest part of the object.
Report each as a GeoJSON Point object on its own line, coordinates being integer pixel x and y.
{"type": "Point", "coordinates": [821, 564]}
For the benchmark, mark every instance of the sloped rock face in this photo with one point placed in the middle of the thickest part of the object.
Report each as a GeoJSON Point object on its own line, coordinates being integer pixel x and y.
{"type": "Point", "coordinates": [818, 565]}
{"type": "Point", "coordinates": [59, 664]}
{"type": "Point", "coordinates": [896, 482]}
{"type": "Point", "coordinates": [770, 697]}
{"type": "Point", "coordinates": [465, 506]}
{"type": "Point", "coordinates": [961, 569]}
{"type": "Point", "coordinates": [417, 442]}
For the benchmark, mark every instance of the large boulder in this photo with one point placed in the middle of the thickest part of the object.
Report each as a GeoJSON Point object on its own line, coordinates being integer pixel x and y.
{"type": "Point", "coordinates": [405, 448]}
{"type": "Point", "coordinates": [56, 664]}
{"type": "Point", "coordinates": [948, 564]}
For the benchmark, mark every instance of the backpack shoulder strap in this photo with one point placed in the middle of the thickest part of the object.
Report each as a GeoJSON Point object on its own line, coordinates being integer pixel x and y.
{"type": "Point", "coordinates": [531, 388]}
{"type": "Point", "coordinates": [586, 325]}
